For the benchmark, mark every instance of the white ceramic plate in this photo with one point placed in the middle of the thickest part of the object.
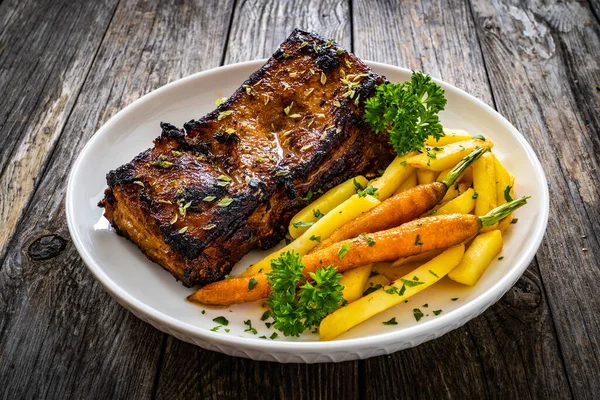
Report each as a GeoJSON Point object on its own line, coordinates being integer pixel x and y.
{"type": "Point", "coordinates": [154, 296]}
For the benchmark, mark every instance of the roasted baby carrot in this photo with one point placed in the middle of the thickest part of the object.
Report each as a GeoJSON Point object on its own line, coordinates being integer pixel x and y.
{"type": "Point", "coordinates": [414, 237]}
{"type": "Point", "coordinates": [401, 207]}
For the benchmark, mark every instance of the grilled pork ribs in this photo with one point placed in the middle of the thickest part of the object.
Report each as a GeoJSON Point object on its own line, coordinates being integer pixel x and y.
{"type": "Point", "coordinates": [205, 195]}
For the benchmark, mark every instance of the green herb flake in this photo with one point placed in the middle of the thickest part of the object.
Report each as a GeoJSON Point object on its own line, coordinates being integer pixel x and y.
{"type": "Point", "coordinates": [514, 220]}
{"type": "Point", "coordinates": [176, 153]}
{"type": "Point", "coordinates": [434, 274]}
{"type": "Point", "coordinates": [216, 328]}
{"type": "Point", "coordinates": [223, 178]}
{"type": "Point", "coordinates": [418, 240]}
{"type": "Point", "coordinates": [273, 336]}
{"type": "Point", "coordinates": [370, 241]}
{"type": "Point", "coordinates": [221, 321]}
{"type": "Point", "coordinates": [203, 312]}
{"type": "Point", "coordinates": [183, 230]}
{"type": "Point", "coordinates": [411, 283]}
{"type": "Point", "coordinates": [318, 214]}
{"type": "Point", "coordinates": [480, 137]}
{"type": "Point", "coordinates": [209, 227]}
{"type": "Point", "coordinates": [475, 195]}
{"type": "Point", "coordinates": [139, 183]}
{"type": "Point", "coordinates": [266, 315]}
{"type": "Point", "coordinates": [417, 314]}
{"type": "Point", "coordinates": [343, 250]}
{"type": "Point", "coordinates": [500, 258]}
{"type": "Point", "coordinates": [208, 199]}
{"type": "Point", "coordinates": [162, 164]}
{"type": "Point", "coordinates": [323, 78]}
{"type": "Point", "coordinates": [224, 114]}
{"type": "Point", "coordinates": [250, 328]}
{"type": "Point", "coordinates": [507, 195]}
{"type": "Point", "coordinates": [454, 298]}
{"type": "Point", "coordinates": [391, 322]}
{"type": "Point", "coordinates": [303, 44]}
{"type": "Point", "coordinates": [308, 196]}
{"type": "Point", "coordinates": [252, 283]}
{"type": "Point", "coordinates": [437, 312]}
{"type": "Point", "coordinates": [226, 201]}
{"type": "Point", "coordinates": [425, 305]}
{"type": "Point", "coordinates": [316, 238]}
{"type": "Point", "coordinates": [372, 289]}
{"type": "Point", "coordinates": [301, 224]}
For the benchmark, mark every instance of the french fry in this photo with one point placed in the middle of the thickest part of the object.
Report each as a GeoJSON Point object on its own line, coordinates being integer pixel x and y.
{"type": "Point", "coordinates": [505, 183]}
{"type": "Point", "coordinates": [425, 176]}
{"type": "Point", "coordinates": [374, 303]}
{"type": "Point", "coordinates": [479, 255]}
{"type": "Point", "coordinates": [376, 281]}
{"type": "Point", "coordinates": [484, 184]}
{"type": "Point", "coordinates": [392, 177]}
{"type": "Point", "coordinates": [408, 183]}
{"type": "Point", "coordinates": [331, 199]}
{"type": "Point", "coordinates": [451, 136]}
{"type": "Point", "coordinates": [340, 215]}
{"type": "Point", "coordinates": [454, 191]}
{"type": "Point", "coordinates": [463, 204]}
{"type": "Point", "coordinates": [354, 282]}
{"type": "Point", "coordinates": [444, 157]}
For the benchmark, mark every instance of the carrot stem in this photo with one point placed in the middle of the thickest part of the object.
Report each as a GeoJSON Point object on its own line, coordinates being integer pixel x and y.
{"type": "Point", "coordinates": [502, 211]}
{"type": "Point", "coordinates": [463, 165]}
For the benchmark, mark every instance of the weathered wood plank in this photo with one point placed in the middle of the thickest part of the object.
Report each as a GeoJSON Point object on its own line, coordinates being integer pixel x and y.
{"type": "Point", "coordinates": [61, 335]}
{"type": "Point", "coordinates": [508, 349]}
{"type": "Point", "coordinates": [258, 29]}
{"type": "Point", "coordinates": [260, 26]}
{"type": "Point", "coordinates": [46, 49]}
{"type": "Point", "coordinates": [543, 65]}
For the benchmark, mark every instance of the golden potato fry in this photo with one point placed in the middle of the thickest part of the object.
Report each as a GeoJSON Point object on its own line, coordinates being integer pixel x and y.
{"type": "Point", "coordinates": [445, 157]}
{"type": "Point", "coordinates": [454, 191]}
{"type": "Point", "coordinates": [463, 204]}
{"type": "Point", "coordinates": [425, 176]}
{"type": "Point", "coordinates": [354, 282]}
{"type": "Point", "coordinates": [479, 255]}
{"type": "Point", "coordinates": [408, 183]}
{"type": "Point", "coordinates": [380, 300]}
{"type": "Point", "coordinates": [484, 184]}
{"type": "Point", "coordinates": [343, 213]}
{"type": "Point", "coordinates": [505, 183]}
{"type": "Point", "coordinates": [451, 136]}
{"type": "Point", "coordinates": [395, 272]}
{"type": "Point", "coordinates": [331, 199]}
{"type": "Point", "coordinates": [392, 177]}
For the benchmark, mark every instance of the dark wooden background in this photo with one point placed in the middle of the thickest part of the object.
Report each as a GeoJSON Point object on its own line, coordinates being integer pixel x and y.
{"type": "Point", "coordinates": [66, 67]}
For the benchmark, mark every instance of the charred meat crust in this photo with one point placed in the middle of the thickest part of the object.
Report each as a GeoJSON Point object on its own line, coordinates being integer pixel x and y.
{"type": "Point", "coordinates": [206, 194]}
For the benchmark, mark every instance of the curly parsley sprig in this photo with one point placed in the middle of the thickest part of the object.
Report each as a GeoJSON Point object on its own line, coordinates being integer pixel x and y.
{"type": "Point", "coordinates": [295, 310]}
{"type": "Point", "coordinates": [407, 112]}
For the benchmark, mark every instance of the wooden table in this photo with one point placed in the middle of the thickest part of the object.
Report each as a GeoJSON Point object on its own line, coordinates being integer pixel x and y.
{"type": "Point", "coordinates": [66, 68]}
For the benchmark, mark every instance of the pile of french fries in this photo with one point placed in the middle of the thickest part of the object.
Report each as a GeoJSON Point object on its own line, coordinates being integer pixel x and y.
{"type": "Point", "coordinates": [484, 186]}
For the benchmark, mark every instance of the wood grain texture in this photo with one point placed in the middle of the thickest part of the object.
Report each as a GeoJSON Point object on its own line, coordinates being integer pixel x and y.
{"type": "Point", "coordinates": [508, 349]}
{"type": "Point", "coordinates": [259, 26]}
{"type": "Point", "coordinates": [46, 49]}
{"type": "Point", "coordinates": [61, 335]}
{"type": "Point", "coordinates": [543, 65]}
{"type": "Point", "coordinates": [257, 30]}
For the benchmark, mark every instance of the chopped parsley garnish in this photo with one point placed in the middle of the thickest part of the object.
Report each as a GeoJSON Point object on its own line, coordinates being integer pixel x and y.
{"type": "Point", "coordinates": [501, 258]}
{"type": "Point", "coordinates": [296, 311]}
{"type": "Point", "coordinates": [221, 321]}
{"type": "Point", "coordinates": [250, 329]}
{"type": "Point", "coordinates": [343, 251]}
{"type": "Point", "coordinates": [308, 196]}
{"type": "Point", "coordinates": [425, 305]}
{"type": "Point", "coordinates": [417, 314]}
{"type": "Point", "coordinates": [227, 330]}
{"type": "Point", "coordinates": [407, 112]}
{"type": "Point", "coordinates": [434, 274]}
{"type": "Point", "coordinates": [480, 137]}
{"type": "Point", "coordinates": [454, 298]}
{"type": "Point", "coordinates": [418, 240]}
{"type": "Point", "coordinates": [301, 224]}
{"type": "Point", "coordinates": [316, 238]}
{"type": "Point", "coordinates": [318, 214]}
{"type": "Point", "coordinates": [391, 322]}
{"type": "Point", "coordinates": [273, 336]}
{"type": "Point", "coordinates": [437, 312]}
{"type": "Point", "coordinates": [373, 273]}
{"type": "Point", "coordinates": [370, 241]}
{"type": "Point", "coordinates": [203, 311]}
{"type": "Point", "coordinates": [371, 289]}
{"type": "Point", "coordinates": [216, 328]}
{"type": "Point", "coordinates": [475, 195]}
{"type": "Point", "coordinates": [411, 283]}
{"type": "Point", "coordinates": [369, 190]}
{"type": "Point", "coordinates": [507, 195]}
{"type": "Point", "coordinates": [208, 199]}
{"type": "Point", "coordinates": [514, 220]}
{"type": "Point", "coordinates": [224, 114]}
{"type": "Point", "coordinates": [266, 315]}
{"type": "Point", "coordinates": [225, 202]}
{"type": "Point", "coordinates": [252, 283]}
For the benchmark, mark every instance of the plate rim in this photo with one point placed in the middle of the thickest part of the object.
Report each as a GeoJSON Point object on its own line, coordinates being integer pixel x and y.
{"type": "Point", "coordinates": [461, 314]}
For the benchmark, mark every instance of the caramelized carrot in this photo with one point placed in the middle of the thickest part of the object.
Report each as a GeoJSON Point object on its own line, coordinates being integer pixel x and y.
{"type": "Point", "coordinates": [402, 207]}
{"type": "Point", "coordinates": [415, 237]}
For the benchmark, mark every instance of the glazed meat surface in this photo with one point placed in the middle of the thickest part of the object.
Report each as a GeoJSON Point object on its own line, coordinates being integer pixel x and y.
{"type": "Point", "coordinates": [205, 195]}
